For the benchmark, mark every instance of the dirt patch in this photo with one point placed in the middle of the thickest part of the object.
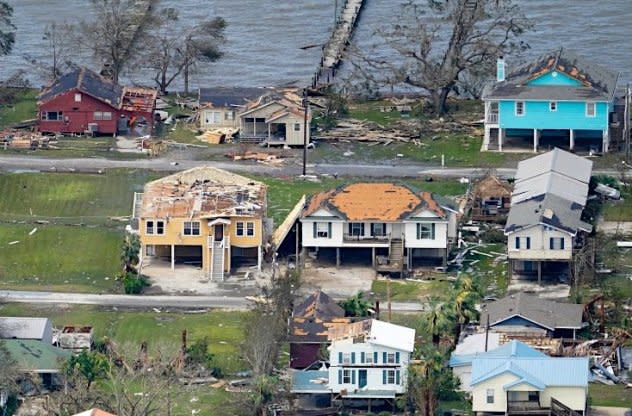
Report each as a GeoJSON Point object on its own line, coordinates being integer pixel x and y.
{"type": "Point", "coordinates": [339, 282]}
{"type": "Point", "coordinates": [547, 291]}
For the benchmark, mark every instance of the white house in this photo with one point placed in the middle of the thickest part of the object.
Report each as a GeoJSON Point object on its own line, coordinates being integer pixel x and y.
{"type": "Point", "coordinates": [515, 379]}
{"type": "Point", "coordinates": [369, 358]}
{"type": "Point", "coordinates": [390, 225]}
{"type": "Point", "coordinates": [545, 224]}
{"type": "Point", "coordinates": [220, 106]}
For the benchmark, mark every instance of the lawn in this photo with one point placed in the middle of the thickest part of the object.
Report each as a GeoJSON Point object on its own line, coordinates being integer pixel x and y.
{"type": "Point", "coordinates": [61, 258]}
{"type": "Point", "coordinates": [128, 328]}
{"type": "Point", "coordinates": [619, 210]}
{"type": "Point", "coordinates": [604, 395]}
{"type": "Point", "coordinates": [82, 197]}
{"type": "Point", "coordinates": [490, 267]}
{"type": "Point", "coordinates": [23, 108]}
{"type": "Point", "coordinates": [404, 291]}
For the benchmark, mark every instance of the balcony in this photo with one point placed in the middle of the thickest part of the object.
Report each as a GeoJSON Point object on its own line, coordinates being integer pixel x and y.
{"type": "Point", "coordinates": [522, 407]}
{"type": "Point", "coordinates": [492, 118]}
{"type": "Point", "coordinates": [369, 240]}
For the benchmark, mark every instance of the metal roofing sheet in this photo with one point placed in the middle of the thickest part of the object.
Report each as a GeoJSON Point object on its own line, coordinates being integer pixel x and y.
{"type": "Point", "coordinates": [23, 328]}
{"type": "Point", "coordinates": [550, 371]}
{"type": "Point", "coordinates": [551, 183]}
{"type": "Point", "coordinates": [559, 161]}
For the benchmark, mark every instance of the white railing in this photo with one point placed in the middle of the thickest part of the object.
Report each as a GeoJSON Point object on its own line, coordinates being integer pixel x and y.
{"type": "Point", "coordinates": [492, 118]}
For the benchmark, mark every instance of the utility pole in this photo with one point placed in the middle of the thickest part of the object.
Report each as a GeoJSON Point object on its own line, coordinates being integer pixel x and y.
{"type": "Point", "coordinates": [626, 123]}
{"type": "Point", "coordinates": [305, 109]}
{"type": "Point", "coordinates": [388, 297]}
{"type": "Point", "coordinates": [335, 12]}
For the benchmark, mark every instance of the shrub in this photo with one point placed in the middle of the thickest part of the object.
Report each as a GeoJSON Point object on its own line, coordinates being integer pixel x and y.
{"type": "Point", "coordinates": [493, 235]}
{"type": "Point", "coordinates": [134, 284]}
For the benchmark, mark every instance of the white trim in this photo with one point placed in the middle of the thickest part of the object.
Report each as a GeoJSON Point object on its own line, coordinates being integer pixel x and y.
{"type": "Point", "coordinates": [594, 106]}
{"type": "Point", "coordinates": [199, 229]}
{"type": "Point", "coordinates": [523, 317]}
{"type": "Point", "coordinates": [553, 106]}
{"type": "Point", "coordinates": [524, 108]}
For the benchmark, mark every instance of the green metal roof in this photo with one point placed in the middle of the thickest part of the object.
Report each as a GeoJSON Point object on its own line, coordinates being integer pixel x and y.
{"type": "Point", "coordinates": [36, 356]}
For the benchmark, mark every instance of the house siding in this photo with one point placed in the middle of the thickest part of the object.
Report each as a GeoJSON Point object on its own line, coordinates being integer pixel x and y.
{"type": "Point", "coordinates": [573, 397]}
{"type": "Point", "coordinates": [440, 240]}
{"type": "Point", "coordinates": [479, 394]}
{"type": "Point", "coordinates": [76, 121]}
{"type": "Point", "coordinates": [555, 78]}
{"type": "Point", "coordinates": [537, 115]}
{"type": "Point", "coordinates": [540, 244]}
{"type": "Point", "coordinates": [206, 118]}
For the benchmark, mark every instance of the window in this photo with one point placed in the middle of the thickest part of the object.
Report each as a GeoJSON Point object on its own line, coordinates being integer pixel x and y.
{"type": "Point", "coordinates": [553, 106]}
{"type": "Point", "coordinates": [520, 108]}
{"type": "Point", "coordinates": [250, 229]}
{"type": "Point", "coordinates": [229, 115]}
{"type": "Point", "coordinates": [556, 243]}
{"type": "Point", "coordinates": [77, 98]}
{"type": "Point", "coordinates": [149, 227]}
{"type": "Point", "coordinates": [322, 230]}
{"type": "Point", "coordinates": [102, 115]}
{"type": "Point", "coordinates": [390, 377]}
{"type": "Point", "coordinates": [368, 358]}
{"type": "Point", "coordinates": [154, 227]}
{"type": "Point", "coordinates": [191, 228]}
{"type": "Point", "coordinates": [356, 229]}
{"type": "Point", "coordinates": [590, 109]}
{"type": "Point", "coordinates": [346, 358]}
{"type": "Point", "coordinates": [160, 227]}
{"type": "Point", "coordinates": [378, 229]}
{"type": "Point", "coordinates": [425, 231]}
{"type": "Point", "coordinates": [297, 126]}
{"type": "Point", "coordinates": [390, 358]}
{"type": "Point", "coordinates": [240, 229]}
{"type": "Point", "coordinates": [53, 115]}
{"type": "Point", "coordinates": [346, 376]}
{"type": "Point", "coordinates": [490, 396]}
{"type": "Point", "coordinates": [523, 242]}
{"type": "Point", "coordinates": [213, 117]}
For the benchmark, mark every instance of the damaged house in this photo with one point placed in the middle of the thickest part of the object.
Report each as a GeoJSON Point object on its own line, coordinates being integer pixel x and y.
{"type": "Point", "coordinates": [205, 217]}
{"type": "Point", "coordinates": [84, 102]}
{"type": "Point", "coordinates": [558, 99]}
{"type": "Point", "coordinates": [220, 106]}
{"type": "Point", "coordinates": [392, 227]}
{"type": "Point", "coordinates": [490, 199]}
{"type": "Point", "coordinates": [275, 118]}
{"type": "Point", "coordinates": [545, 227]}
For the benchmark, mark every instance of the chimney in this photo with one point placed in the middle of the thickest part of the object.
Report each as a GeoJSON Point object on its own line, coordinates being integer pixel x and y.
{"type": "Point", "coordinates": [500, 69]}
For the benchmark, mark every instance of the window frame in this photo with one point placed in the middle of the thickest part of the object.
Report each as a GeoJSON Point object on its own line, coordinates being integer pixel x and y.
{"type": "Point", "coordinates": [390, 358]}
{"type": "Point", "coordinates": [160, 227]}
{"type": "Point", "coordinates": [523, 108]}
{"type": "Point", "coordinates": [593, 105]}
{"type": "Point", "coordinates": [240, 228]}
{"type": "Point", "coordinates": [250, 229]}
{"type": "Point", "coordinates": [346, 376]}
{"type": "Point", "coordinates": [356, 226]}
{"type": "Point", "coordinates": [556, 243]}
{"type": "Point", "coordinates": [489, 396]}
{"type": "Point", "coordinates": [382, 226]}
{"type": "Point", "coordinates": [297, 126]}
{"type": "Point", "coordinates": [191, 227]}
{"type": "Point", "coordinates": [390, 377]}
{"type": "Point", "coordinates": [430, 231]}
{"type": "Point", "coordinates": [553, 106]}
{"type": "Point", "coordinates": [368, 358]}
{"type": "Point", "coordinates": [77, 97]}
{"type": "Point", "coordinates": [149, 230]}
{"type": "Point", "coordinates": [325, 233]}
{"type": "Point", "coordinates": [59, 115]}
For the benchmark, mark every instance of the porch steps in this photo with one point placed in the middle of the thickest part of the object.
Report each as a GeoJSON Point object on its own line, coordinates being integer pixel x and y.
{"type": "Point", "coordinates": [217, 266]}
{"type": "Point", "coordinates": [396, 253]}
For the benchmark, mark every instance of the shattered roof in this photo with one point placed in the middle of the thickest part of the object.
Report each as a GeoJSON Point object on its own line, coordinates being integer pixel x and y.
{"type": "Point", "coordinates": [229, 96]}
{"type": "Point", "coordinates": [598, 82]}
{"type": "Point", "coordinates": [23, 327]}
{"type": "Point", "coordinates": [491, 186]}
{"type": "Point", "coordinates": [546, 313]}
{"type": "Point", "coordinates": [313, 317]}
{"type": "Point", "coordinates": [376, 201]}
{"type": "Point", "coordinates": [376, 332]}
{"type": "Point", "coordinates": [88, 82]}
{"type": "Point", "coordinates": [203, 192]}
{"type": "Point", "coordinates": [547, 209]}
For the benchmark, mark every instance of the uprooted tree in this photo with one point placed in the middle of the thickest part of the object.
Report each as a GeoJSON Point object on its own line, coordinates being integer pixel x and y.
{"type": "Point", "coordinates": [7, 29]}
{"type": "Point", "coordinates": [438, 43]}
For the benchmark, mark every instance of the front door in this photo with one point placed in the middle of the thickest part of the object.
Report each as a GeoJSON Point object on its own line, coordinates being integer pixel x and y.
{"type": "Point", "coordinates": [219, 232]}
{"type": "Point", "coordinates": [361, 378]}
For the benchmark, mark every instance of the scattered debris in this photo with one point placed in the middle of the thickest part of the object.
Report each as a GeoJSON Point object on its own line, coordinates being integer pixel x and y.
{"type": "Point", "coordinates": [218, 136]}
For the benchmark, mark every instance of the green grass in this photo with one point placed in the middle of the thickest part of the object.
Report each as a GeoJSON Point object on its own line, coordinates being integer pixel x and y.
{"type": "Point", "coordinates": [86, 197]}
{"type": "Point", "coordinates": [409, 291]}
{"type": "Point", "coordinates": [23, 108]}
{"type": "Point", "coordinates": [619, 210]}
{"type": "Point", "coordinates": [162, 331]}
{"type": "Point", "coordinates": [493, 273]}
{"type": "Point", "coordinates": [615, 396]}
{"type": "Point", "coordinates": [61, 258]}
{"type": "Point", "coordinates": [370, 111]}
{"type": "Point", "coordinates": [183, 133]}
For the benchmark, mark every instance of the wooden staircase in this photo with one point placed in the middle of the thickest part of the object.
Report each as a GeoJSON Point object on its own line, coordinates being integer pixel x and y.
{"type": "Point", "coordinates": [396, 253]}
{"type": "Point", "coordinates": [217, 264]}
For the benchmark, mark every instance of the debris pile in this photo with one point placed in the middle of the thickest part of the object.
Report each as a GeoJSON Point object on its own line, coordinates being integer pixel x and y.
{"type": "Point", "coordinates": [365, 131]}
{"type": "Point", "coordinates": [14, 139]}
{"type": "Point", "coordinates": [272, 159]}
{"type": "Point", "coordinates": [218, 136]}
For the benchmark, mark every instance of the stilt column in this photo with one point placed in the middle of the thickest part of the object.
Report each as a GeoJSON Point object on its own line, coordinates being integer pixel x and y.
{"type": "Point", "coordinates": [539, 273]}
{"type": "Point", "coordinates": [536, 140]}
{"type": "Point", "coordinates": [501, 138]}
{"type": "Point", "coordinates": [173, 257]}
{"type": "Point", "coordinates": [571, 144]}
{"type": "Point", "coordinates": [337, 256]}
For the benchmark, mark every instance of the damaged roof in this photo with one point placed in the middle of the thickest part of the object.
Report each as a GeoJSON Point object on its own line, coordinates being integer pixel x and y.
{"type": "Point", "coordinates": [313, 317]}
{"type": "Point", "coordinates": [88, 82]}
{"type": "Point", "coordinates": [377, 202]}
{"type": "Point", "coordinates": [376, 332]}
{"type": "Point", "coordinates": [547, 209]}
{"type": "Point", "coordinates": [36, 356]}
{"type": "Point", "coordinates": [492, 187]}
{"type": "Point", "coordinates": [203, 192]}
{"type": "Point", "coordinates": [229, 96]}
{"type": "Point", "coordinates": [598, 82]}
{"type": "Point", "coordinates": [549, 314]}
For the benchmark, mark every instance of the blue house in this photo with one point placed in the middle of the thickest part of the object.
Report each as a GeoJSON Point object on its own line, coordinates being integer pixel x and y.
{"type": "Point", "coordinates": [560, 99]}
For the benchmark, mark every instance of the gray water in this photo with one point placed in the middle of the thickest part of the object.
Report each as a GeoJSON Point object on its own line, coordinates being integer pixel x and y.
{"type": "Point", "coordinates": [264, 37]}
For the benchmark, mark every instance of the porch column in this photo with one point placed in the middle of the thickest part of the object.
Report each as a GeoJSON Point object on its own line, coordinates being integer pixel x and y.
{"type": "Point", "coordinates": [536, 140]}
{"type": "Point", "coordinates": [373, 256]}
{"type": "Point", "coordinates": [269, 131]}
{"type": "Point", "coordinates": [574, 334]}
{"type": "Point", "coordinates": [501, 136]}
{"type": "Point", "coordinates": [487, 137]}
{"type": "Point", "coordinates": [337, 256]}
{"type": "Point", "coordinates": [539, 273]}
{"type": "Point", "coordinates": [445, 257]}
{"type": "Point", "coordinates": [605, 141]}
{"type": "Point", "coordinates": [571, 144]}
{"type": "Point", "coordinates": [254, 126]}
{"type": "Point", "coordinates": [259, 258]}
{"type": "Point", "coordinates": [173, 257]}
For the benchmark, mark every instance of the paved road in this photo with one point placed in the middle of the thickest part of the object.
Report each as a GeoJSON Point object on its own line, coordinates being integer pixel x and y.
{"type": "Point", "coordinates": [152, 301]}
{"type": "Point", "coordinates": [17, 163]}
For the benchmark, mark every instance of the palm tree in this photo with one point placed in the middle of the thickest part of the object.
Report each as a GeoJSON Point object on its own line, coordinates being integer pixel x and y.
{"type": "Point", "coordinates": [356, 305]}
{"type": "Point", "coordinates": [438, 319]}
{"type": "Point", "coordinates": [427, 379]}
{"type": "Point", "coordinates": [463, 300]}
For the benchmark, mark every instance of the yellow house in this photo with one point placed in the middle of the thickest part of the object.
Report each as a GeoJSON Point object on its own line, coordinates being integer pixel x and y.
{"type": "Point", "coordinates": [204, 217]}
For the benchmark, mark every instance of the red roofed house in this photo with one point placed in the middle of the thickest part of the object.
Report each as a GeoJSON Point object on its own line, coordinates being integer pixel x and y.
{"type": "Point", "coordinates": [393, 226]}
{"type": "Point", "coordinates": [83, 102]}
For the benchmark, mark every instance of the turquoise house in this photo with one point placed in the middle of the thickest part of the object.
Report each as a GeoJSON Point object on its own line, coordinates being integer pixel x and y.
{"type": "Point", "coordinates": [559, 99]}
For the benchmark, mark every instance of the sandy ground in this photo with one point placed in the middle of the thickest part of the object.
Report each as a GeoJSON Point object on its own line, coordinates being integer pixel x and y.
{"type": "Point", "coordinates": [609, 411]}
{"type": "Point", "coordinates": [127, 145]}
{"type": "Point", "coordinates": [614, 227]}
{"type": "Point", "coordinates": [339, 282]}
{"type": "Point", "coordinates": [548, 291]}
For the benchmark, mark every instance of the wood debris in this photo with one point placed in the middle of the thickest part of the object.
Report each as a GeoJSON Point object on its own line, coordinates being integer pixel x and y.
{"type": "Point", "coordinates": [272, 159]}
{"type": "Point", "coordinates": [218, 136]}
{"type": "Point", "coordinates": [365, 131]}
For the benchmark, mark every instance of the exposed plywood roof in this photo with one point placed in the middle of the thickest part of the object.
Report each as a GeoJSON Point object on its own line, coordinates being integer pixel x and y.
{"type": "Point", "coordinates": [375, 202]}
{"type": "Point", "coordinates": [203, 192]}
{"type": "Point", "coordinates": [492, 187]}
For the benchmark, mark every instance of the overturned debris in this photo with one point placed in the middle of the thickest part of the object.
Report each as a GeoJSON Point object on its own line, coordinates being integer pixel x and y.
{"type": "Point", "coordinates": [218, 136]}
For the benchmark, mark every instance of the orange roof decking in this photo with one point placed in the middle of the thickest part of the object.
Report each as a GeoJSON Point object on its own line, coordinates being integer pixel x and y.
{"type": "Point", "coordinates": [374, 201]}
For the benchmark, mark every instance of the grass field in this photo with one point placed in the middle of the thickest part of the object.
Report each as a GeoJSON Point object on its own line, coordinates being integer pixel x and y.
{"type": "Point", "coordinates": [409, 291]}
{"type": "Point", "coordinates": [493, 272]}
{"type": "Point", "coordinates": [128, 328]}
{"type": "Point", "coordinates": [619, 210]}
{"type": "Point", "coordinates": [616, 396]}
{"type": "Point", "coordinates": [57, 257]}
{"type": "Point", "coordinates": [23, 108]}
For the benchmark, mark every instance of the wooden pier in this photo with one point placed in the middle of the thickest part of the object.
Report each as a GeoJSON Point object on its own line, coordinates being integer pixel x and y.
{"type": "Point", "coordinates": [334, 49]}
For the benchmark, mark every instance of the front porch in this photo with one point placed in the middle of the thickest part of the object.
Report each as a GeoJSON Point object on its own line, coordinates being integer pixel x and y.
{"type": "Point", "coordinates": [259, 130]}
